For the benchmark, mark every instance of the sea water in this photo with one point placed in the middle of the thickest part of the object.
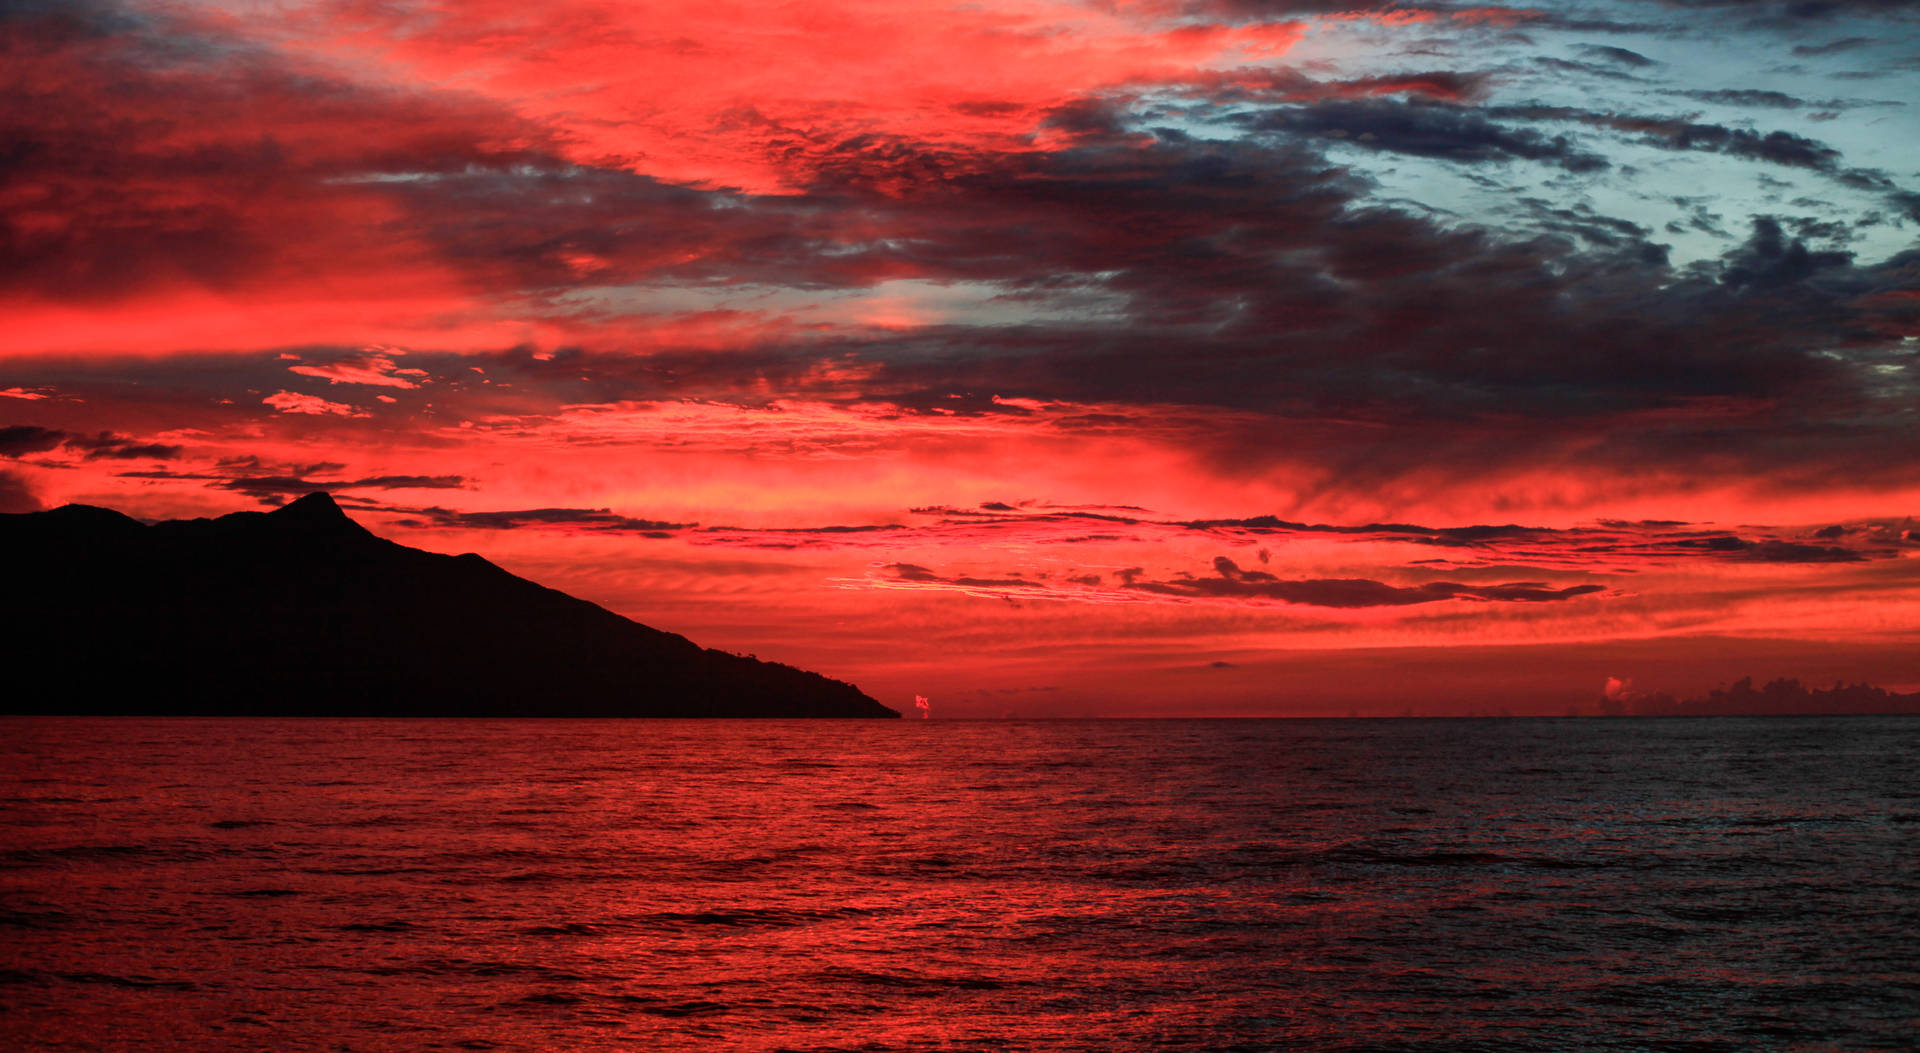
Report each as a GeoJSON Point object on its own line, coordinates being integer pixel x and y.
{"type": "Point", "coordinates": [1114, 885]}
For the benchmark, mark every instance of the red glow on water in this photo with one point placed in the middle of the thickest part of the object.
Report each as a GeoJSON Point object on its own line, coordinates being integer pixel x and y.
{"type": "Point", "coordinates": [1152, 883]}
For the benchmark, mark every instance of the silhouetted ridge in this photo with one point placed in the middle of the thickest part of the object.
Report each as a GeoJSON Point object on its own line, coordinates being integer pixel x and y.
{"type": "Point", "coordinates": [301, 611]}
{"type": "Point", "coordinates": [316, 511]}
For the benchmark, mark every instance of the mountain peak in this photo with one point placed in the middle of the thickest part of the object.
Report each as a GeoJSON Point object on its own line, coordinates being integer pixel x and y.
{"type": "Point", "coordinates": [316, 511]}
{"type": "Point", "coordinates": [316, 505]}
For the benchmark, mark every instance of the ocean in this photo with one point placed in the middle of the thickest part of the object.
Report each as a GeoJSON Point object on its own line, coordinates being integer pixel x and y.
{"type": "Point", "coordinates": [1685, 884]}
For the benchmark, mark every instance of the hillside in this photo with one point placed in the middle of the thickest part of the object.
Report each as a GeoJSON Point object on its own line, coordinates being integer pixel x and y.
{"type": "Point", "coordinates": [301, 611]}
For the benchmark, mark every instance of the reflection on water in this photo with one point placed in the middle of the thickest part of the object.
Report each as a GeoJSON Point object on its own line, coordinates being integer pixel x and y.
{"type": "Point", "coordinates": [1714, 884]}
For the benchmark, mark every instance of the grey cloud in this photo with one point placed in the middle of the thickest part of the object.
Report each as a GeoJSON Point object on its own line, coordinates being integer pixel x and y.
{"type": "Point", "coordinates": [1231, 582]}
{"type": "Point", "coordinates": [269, 487]}
{"type": "Point", "coordinates": [1620, 56]}
{"type": "Point", "coordinates": [25, 438]}
{"type": "Point", "coordinates": [598, 520]}
{"type": "Point", "coordinates": [1832, 46]}
{"type": "Point", "coordinates": [18, 439]}
{"type": "Point", "coordinates": [1778, 100]}
{"type": "Point", "coordinates": [1426, 129]}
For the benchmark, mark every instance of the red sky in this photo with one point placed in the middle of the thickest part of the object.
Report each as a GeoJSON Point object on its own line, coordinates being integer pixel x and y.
{"type": "Point", "coordinates": [1037, 356]}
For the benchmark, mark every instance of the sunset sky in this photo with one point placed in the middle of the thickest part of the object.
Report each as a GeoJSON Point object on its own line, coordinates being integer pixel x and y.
{"type": "Point", "coordinates": [1037, 356]}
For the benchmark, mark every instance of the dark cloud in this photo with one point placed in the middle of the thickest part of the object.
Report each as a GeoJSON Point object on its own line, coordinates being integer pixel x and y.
{"type": "Point", "coordinates": [1521, 545]}
{"type": "Point", "coordinates": [1778, 100]}
{"type": "Point", "coordinates": [911, 572]}
{"type": "Point", "coordinates": [865, 528]}
{"type": "Point", "coordinates": [102, 118]}
{"type": "Point", "coordinates": [1257, 277]}
{"type": "Point", "coordinates": [1672, 133]}
{"type": "Point", "coordinates": [279, 486]}
{"type": "Point", "coordinates": [607, 226]}
{"type": "Point", "coordinates": [108, 446]}
{"type": "Point", "coordinates": [1777, 147]}
{"type": "Point", "coordinates": [1794, 552]}
{"type": "Point", "coordinates": [1796, 13]}
{"type": "Point", "coordinates": [1231, 582]}
{"type": "Point", "coordinates": [1616, 55]}
{"type": "Point", "coordinates": [1562, 67]}
{"type": "Point", "coordinates": [996, 512]}
{"type": "Point", "coordinates": [27, 438]}
{"type": "Point", "coordinates": [1262, 9]}
{"type": "Point", "coordinates": [1797, 552]}
{"type": "Point", "coordinates": [1769, 259]}
{"type": "Point", "coordinates": [1833, 46]}
{"type": "Point", "coordinates": [1089, 119]}
{"type": "Point", "coordinates": [1312, 308]}
{"type": "Point", "coordinates": [597, 520]}
{"type": "Point", "coordinates": [1595, 228]}
{"type": "Point", "coordinates": [1450, 85]}
{"type": "Point", "coordinates": [1467, 535]}
{"type": "Point", "coordinates": [921, 575]}
{"type": "Point", "coordinates": [1425, 129]}
{"type": "Point", "coordinates": [1291, 85]}
{"type": "Point", "coordinates": [20, 439]}
{"type": "Point", "coordinates": [1873, 542]}
{"type": "Point", "coordinates": [1723, 543]}
{"type": "Point", "coordinates": [404, 482]}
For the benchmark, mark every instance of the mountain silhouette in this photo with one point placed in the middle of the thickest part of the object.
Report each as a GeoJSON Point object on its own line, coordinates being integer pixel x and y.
{"type": "Point", "coordinates": [303, 612]}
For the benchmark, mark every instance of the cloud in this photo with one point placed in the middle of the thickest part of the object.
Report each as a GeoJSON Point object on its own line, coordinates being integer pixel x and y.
{"type": "Point", "coordinates": [1833, 46]}
{"type": "Point", "coordinates": [1291, 85]}
{"type": "Point", "coordinates": [269, 486]}
{"type": "Point", "coordinates": [1796, 13]}
{"type": "Point", "coordinates": [1231, 582]}
{"type": "Point", "coordinates": [1777, 147]}
{"type": "Point", "coordinates": [16, 496]}
{"type": "Point", "coordinates": [912, 573]}
{"type": "Point", "coordinates": [1618, 56]}
{"type": "Point", "coordinates": [1769, 259]}
{"type": "Point", "coordinates": [313, 405]}
{"type": "Point", "coordinates": [1025, 240]}
{"type": "Point", "coordinates": [27, 438]}
{"type": "Point", "coordinates": [1608, 546]}
{"type": "Point", "coordinates": [1797, 552]}
{"type": "Point", "coordinates": [1369, 318]}
{"type": "Point", "coordinates": [271, 482]}
{"type": "Point", "coordinates": [372, 366]}
{"type": "Point", "coordinates": [22, 439]}
{"type": "Point", "coordinates": [160, 154]}
{"type": "Point", "coordinates": [1314, 300]}
{"type": "Point", "coordinates": [1611, 547]}
{"type": "Point", "coordinates": [108, 446]}
{"type": "Point", "coordinates": [594, 520]}
{"type": "Point", "coordinates": [1443, 132]}
{"type": "Point", "coordinates": [1764, 98]}
{"type": "Point", "coordinates": [1229, 585]}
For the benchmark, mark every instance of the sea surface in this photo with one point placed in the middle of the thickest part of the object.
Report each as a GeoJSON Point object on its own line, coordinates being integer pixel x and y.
{"type": "Point", "coordinates": [1687, 884]}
